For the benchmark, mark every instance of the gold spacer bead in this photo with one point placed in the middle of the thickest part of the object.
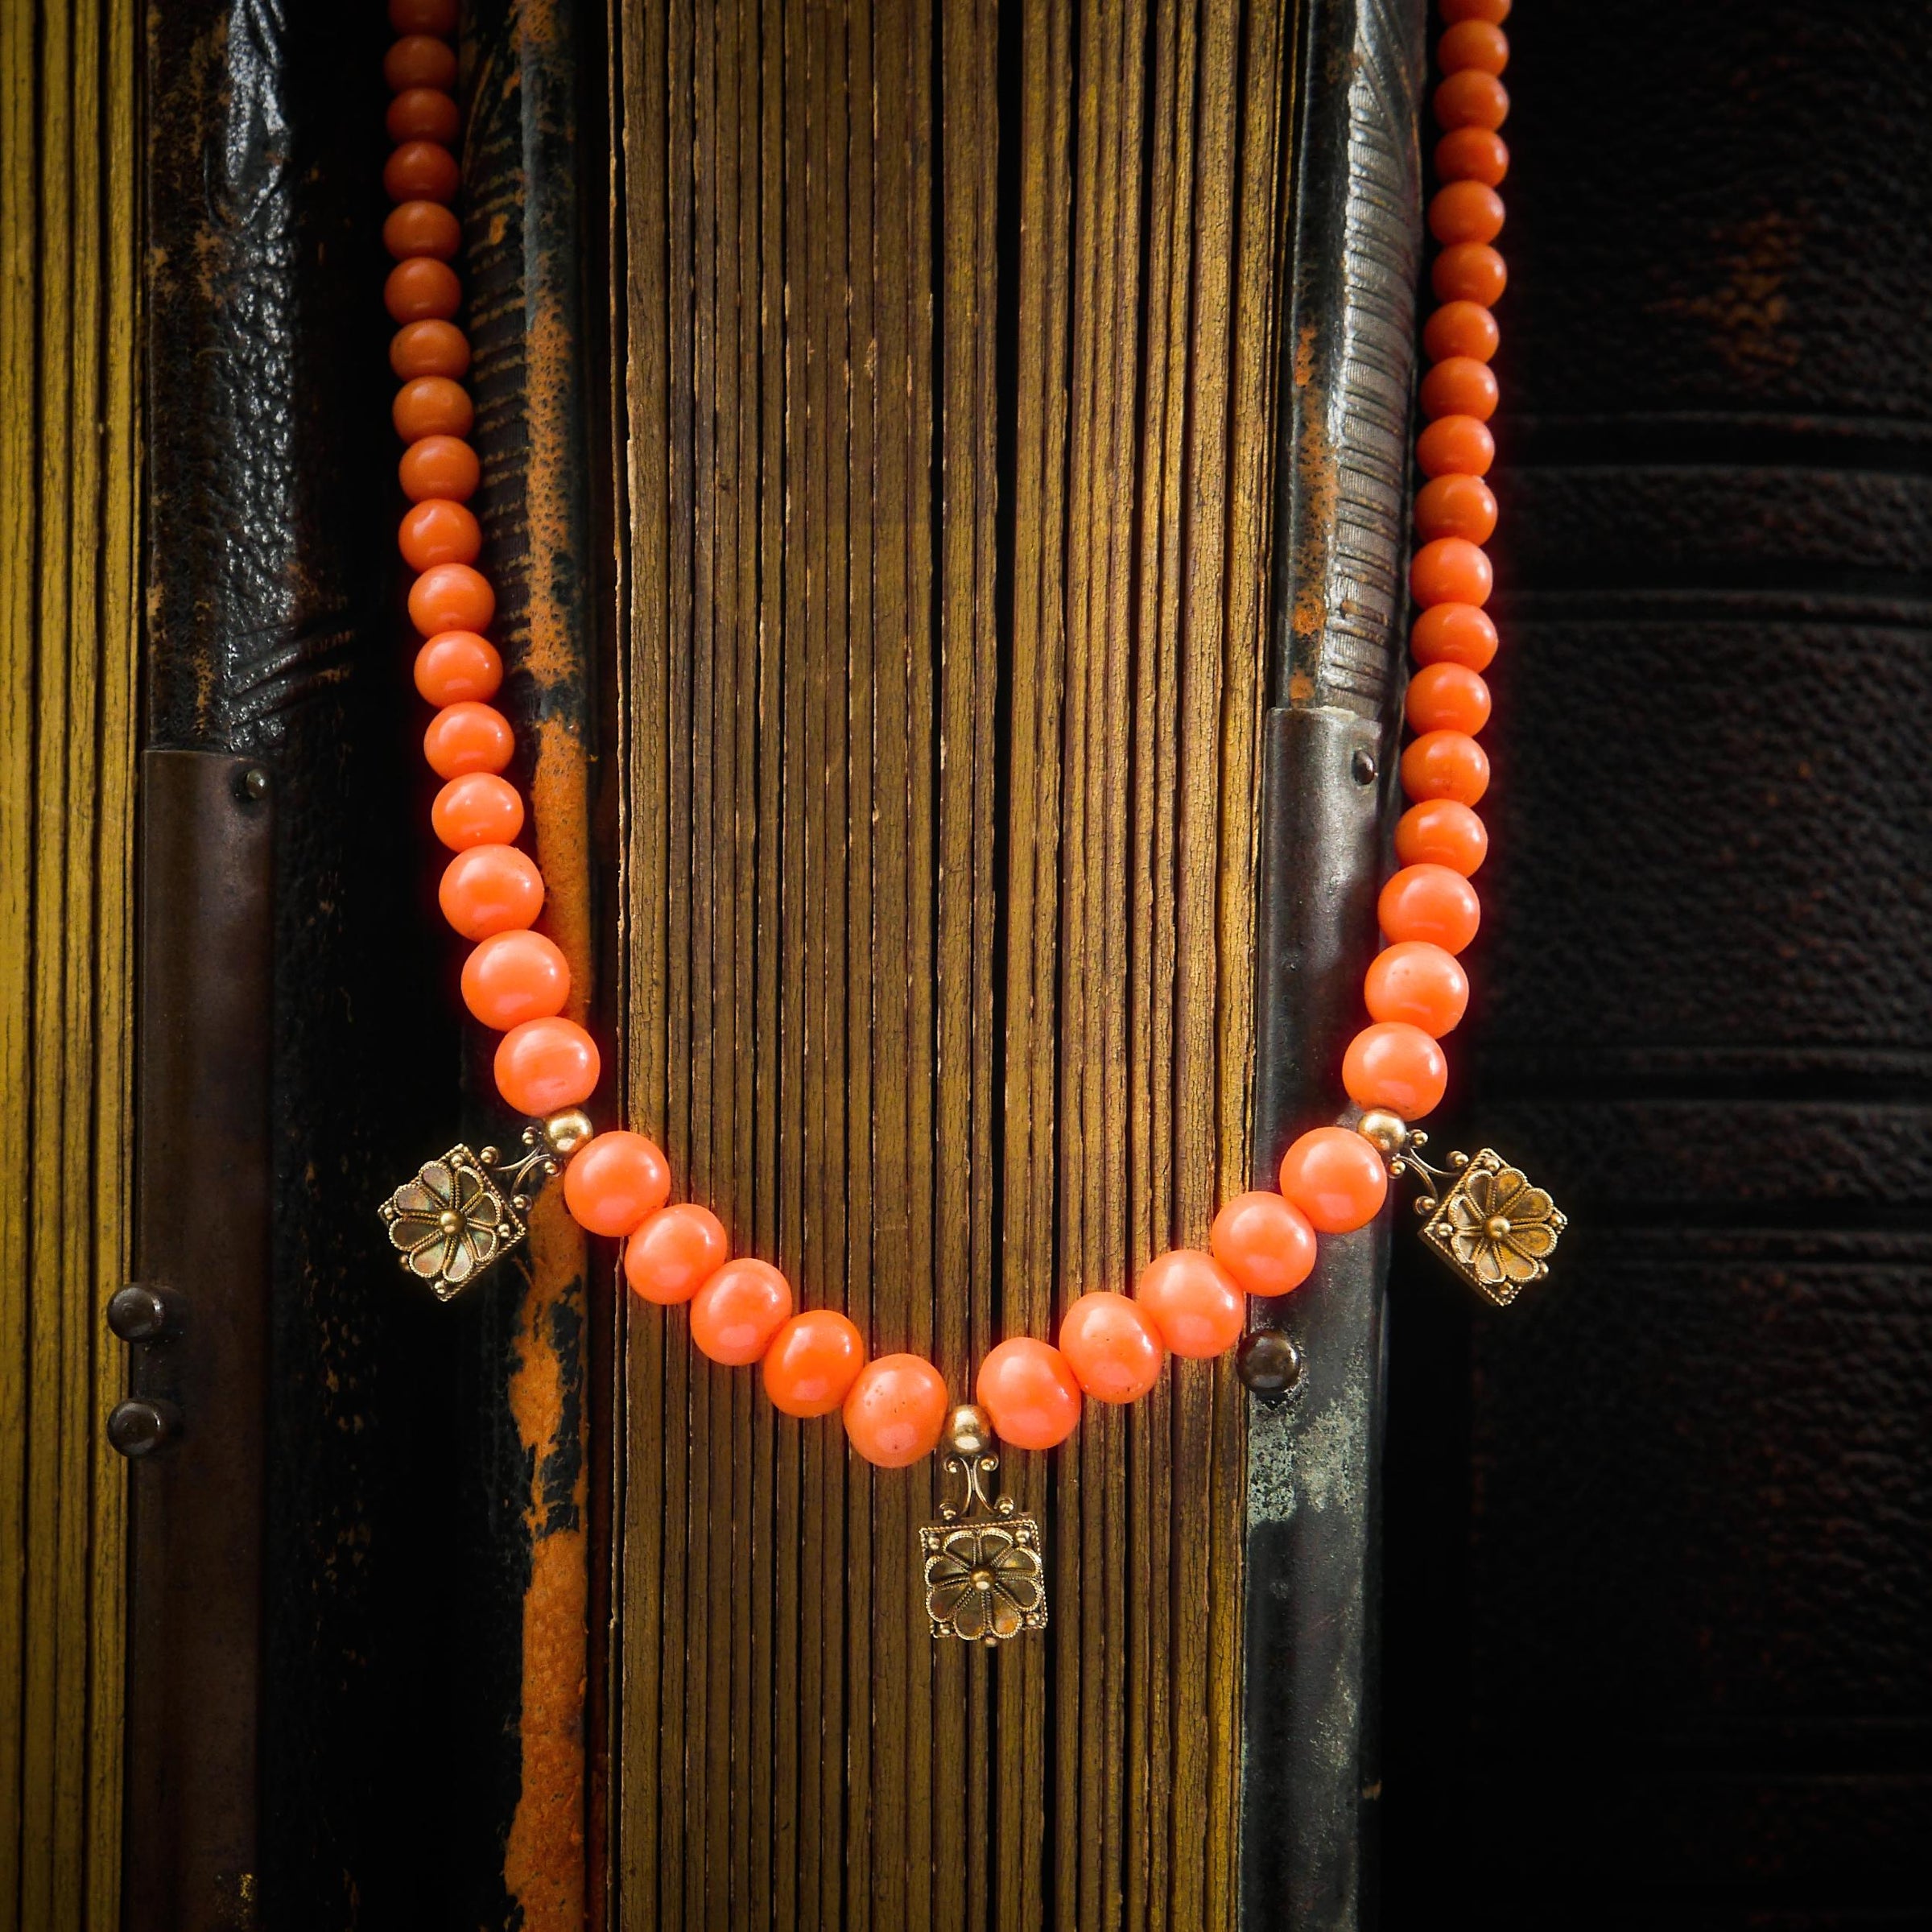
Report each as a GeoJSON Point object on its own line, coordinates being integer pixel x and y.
{"type": "Point", "coordinates": [567, 1131]}
{"type": "Point", "coordinates": [969, 1431]}
{"type": "Point", "coordinates": [1388, 1133]}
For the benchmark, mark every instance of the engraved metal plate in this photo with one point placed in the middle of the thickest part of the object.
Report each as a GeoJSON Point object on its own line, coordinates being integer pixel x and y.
{"type": "Point", "coordinates": [1487, 1220]}
{"type": "Point", "coordinates": [986, 1580]}
{"type": "Point", "coordinates": [462, 1213]}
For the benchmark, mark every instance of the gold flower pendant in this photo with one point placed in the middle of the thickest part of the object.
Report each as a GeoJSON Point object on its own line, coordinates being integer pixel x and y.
{"type": "Point", "coordinates": [984, 1579]}
{"type": "Point", "coordinates": [1495, 1229]}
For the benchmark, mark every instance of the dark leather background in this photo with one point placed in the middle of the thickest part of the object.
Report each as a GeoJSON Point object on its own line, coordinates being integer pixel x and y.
{"type": "Point", "coordinates": [1659, 1619]}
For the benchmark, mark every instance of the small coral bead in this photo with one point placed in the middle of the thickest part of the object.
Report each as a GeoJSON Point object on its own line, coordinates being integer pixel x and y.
{"type": "Point", "coordinates": [1194, 1301]}
{"type": "Point", "coordinates": [737, 1312]}
{"type": "Point", "coordinates": [1455, 506]}
{"type": "Point", "coordinates": [1471, 99]}
{"type": "Point", "coordinates": [438, 531]}
{"type": "Point", "coordinates": [488, 889]}
{"type": "Point", "coordinates": [1414, 984]}
{"type": "Point", "coordinates": [1446, 765]}
{"type": "Point", "coordinates": [1264, 1242]}
{"type": "Point", "coordinates": [476, 809]}
{"type": "Point", "coordinates": [895, 1409]}
{"type": "Point", "coordinates": [434, 347]}
{"type": "Point", "coordinates": [420, 171]}
{"type": "Point", "coordinates": [1465, 211]}
{"type": "Point", "coordinates": [1030, 1392]}
{"type": "Point", "coordinates": [422, 289]}
{"type": "Point", "coordinates": [1442, 831]}
{"type": "Point", "coordinates": [674, 1252]}
{"type": "Point", "coordinates": [422, 16]}
{"type": "Point", "coordinates": [451, 596]}
{"type": "Point", "coordinates": [421, 114]}
{"type": "Point", "coordinates": [1450, 571]}
{"type": "Point", "coordinates": [1112, 1345]}
{"type": "Point", "coordinates": [1472, 154]}
{"type": "Point", "coordinates": [421, 228]}
{"type": "Point", "coordinates": [1453, 634]}
{"type": "Point", "coordinates": [1397, 1066]}
{"type": "Point", "coordinates": [1460, 328]}
{"type": "Point", "coordinates": [513, 976]}
{"type": "Point", "coordinates": [546, 1064]}
{"type": "Point", "coordinates": [1469, 271]}
{"type": "Point", "coordinates": [456, 668]}
{"type": "Point", "coordinates": [468, 737]}
{"type": "Point", "coordinates": [1429, 902]}
{"type": "Point", "coordinates": [613, 1180]}
{"type": "Point", "coordinates": [1447, 697]}
{"type": "Point", "coordinates": [419, 60]}
{"type": "Point", "coordinates": [431, 405]}
{"type": "Point", "coordinates": [1455, 446]}
{"type": "Point", "coordinates": [1473, 46]}
{"type": "Point", "coordinates": [1459, 386]}
{"type": "Point", "coordinates": [1336, 1178]}
{"type": "Point", "coordinates": [440, 466]}
{"type": "Point", "coordinates": [813, 1363]}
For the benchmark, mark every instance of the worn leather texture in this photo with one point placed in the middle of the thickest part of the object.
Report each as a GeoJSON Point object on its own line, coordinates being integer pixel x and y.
{"type": "Point", "coordinates": [1660, 1559]}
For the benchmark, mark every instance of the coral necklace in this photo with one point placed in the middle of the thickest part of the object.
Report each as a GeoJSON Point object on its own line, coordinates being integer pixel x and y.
{"type": "Point", "coordinates": [983, 1573]}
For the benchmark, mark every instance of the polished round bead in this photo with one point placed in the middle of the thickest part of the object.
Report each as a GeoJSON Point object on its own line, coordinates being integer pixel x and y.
{"type": "Point", "coordinates": [422, 113]}
{"type": "Point", "coordinates": [615, 1180]}
{"type": "Point", "coordinates": [1465, 211]}
{"type": "Point", "coordinates": [1447, 697]}
{"type": "Point", "coordinates": [1455, 506]}
{"type": "Point", "coordinates": [1460, 328]}
{"type": "Point", "coordinates": [488, 889]}
{"type": "Point", "coordinates": [420, 171]}
{"type": "Point", "coordinates": [813, 1363]}
{"type": "Point", "coordinates": [1471, 99]}
{"type": "Point", "coordinates": [1414, 984]}
{"type": "Point", "coordinates": [1459, 386]}
{"type": "Point", "coordinates": [421, 228]}
{"type": "Point", "coordinates": [476, 809]}
{"type": "Point", "coordinates": [1469, 271]}
{"type": "Point", "coordinates": [1450, 571]}
{"type": "Point", "coordinates": [1388, 1133]}
{"type": "Point", "coordinates": [546, 1064]}
{"type": "Point", "coordinates": [1194, 1301]}
{"type": "Point", "coordinates": [468, 737]}
{"type": "Point", "coordinates": [1394, 1065]}
{"type": "Point", "coordinates": [1030, 1392]}
{"type": "Point", "coordinates": [1429, 902]}
{"type": "Point", "coordinates": [1112, 1345]}
{"type": "Point", "coordinates": [1473, 46]}
{"type": "Point", "coordinates": [438, 531]}
{"type": "Point", "coordinates": [734, 1315]}
{"type": "Point", "coordinates": [1336, 1178]}
{"type": "Point", "coordinates": [422, 16]}
{"type": "Point", "coordinates": [1446, 765]}
{"type": "Point", "coordinates": [1442, 831]}
{"type": "Point", "coordinates": [1268, 1362]}
{"type": "Point", "coordinates": [513, 976]}
{"type": "Point", "coordinates": [440, 466]}
{"type": "Point", "coordinates": [1472, 154]}
{"type": "Point", "coordinates": [422, 289]}
{"type": "Point", "coordinates": [419, 61]}
{"type": "Point", "coordinates": [567, 1130]}
{"type": "Point", "coordinates": [1264, 1242]}
{"type": "Point", "coordinates": [457, 667]}
{"type": "Point", "coordinates": [674, 1252]}
{"type": "Point", "coordinates": [1453, 634]}
{"type": "Point", "coordinates": [451, 596]}
{"type": "Point", "coordinates": [1496, 12]}
{"type": "Point", "coordinates": [1455, 446]}
{"type": "Point", "coordinates": [895, 1409]}
{"type": "Point", "coordinates": [431, 405]}
{"type": "Point", "coordinates": [434, 347]}
{"type": "Point", "coordinates": [969, 1430]}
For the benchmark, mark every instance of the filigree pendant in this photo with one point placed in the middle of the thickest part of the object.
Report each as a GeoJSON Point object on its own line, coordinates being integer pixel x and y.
{"type": "Point", "coordinates": [986, 1580]}
{"type": "Point", "coordinates": [1484, 1217]}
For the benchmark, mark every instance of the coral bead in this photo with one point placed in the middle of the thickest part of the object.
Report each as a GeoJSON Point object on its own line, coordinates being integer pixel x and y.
{"type": "Point", "coordinates": [1446, 765]}
{"type": "Point", "coordinates": [546, 1064]}
{"type": "Point", "coordinates": [1442, 831]}
{"type": "Point", "coordinates": [420, 171]}
{"type": "Point", "coordinates": [1460, 328]}
{"type": "Point", "coordinates": [476, 809]}
{"type": "Point", "coordinates": [468, 737]}
{"type": "Point", "coordinates": [1496, 12]}
{"type": "Point", "coordinates": [451, 596]}
{"type": "Point", "coordinates": [456, 666]}
{"type": "Point", "coordinates": [1336, 1178]}
{"type": "Point", "coordinates": [1469, 271]}
{"type": "Point", "coordinates": [735, 1313]}
{"type": "Point", "coordinates": [1264, 1242]}
{"type": "Point", "coordinates": [429, 349]}
{"type": "Point", "coordinates": [1465, 211]}
{"type": "Point", "coordinates": [1429, 902]}
{"type": "Point", "coordinates": [1447, 697]}
{"type": "Point", "coordinates": [1030, 1392]}
{"type": "Point", "coordinates": [1473, 46]}
{"type": "Point", "coordinates": [1112, 1345]}
{"type": "Point", "coordinates": [1453, 634]}
{"type": "Point", "coordinates": [514, 977]}
{"type": "Point", "coordinates": [1414, 984]}
{"type": "Point", "coordinates": [419, 60]}
{"type": "Point", "coordinates": [613, 1180]}
{"type": "Point", "coordinates": [1455, 506]}
{"type": "Point", "coordinates": [813, 1363]}
{"type": "Point", "coordinates": [1472, 154]}
{"type": "Point", "coordinates": [440, 466]}
{"type": "Point", "coordinates": [422, 113]}
{"type": "Point", "coordinates": [431, 405]}
{"type": "Point", "coordinates": [488, 889]}
{"type": "Point", "coordinates": [1450, 571]}
{"type": "Point", "coordinates": [438, 531]}
{"type": "Point", "coordinates": [1459, 386]}
{"type": "Point", "coordinates": [1396, 1066]}
{"type": "Point", "coordinates": [674, 1252]}
{"type": "Point", "coordinates": [1194, 1301]}
{"type": "Point", "coordinates": [422, 16]}
{"type": "Point", "coordinates": [895, 1409]}
{"type": "Point", "coordinates": [1455, 446]}
{"type": "Point", "coordinates": [1471, 99]}
{"type": "Point", "coordinates": [421, 228]}
{"type": "Point", "coordinates": [422, 289]}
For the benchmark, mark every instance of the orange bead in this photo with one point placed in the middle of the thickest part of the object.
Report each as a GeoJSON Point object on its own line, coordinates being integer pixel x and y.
{"type": "Point", "coordinates": [1496, 12]}
{"type": "Point", "coordinates": [1194, 1301]}
{"type": "Point", "coordinates": [735, 1313]}
{"type": "Point", "coordinates": [895, 1409]}
{"type": "Point", "coordinates": [1455, 446]}
{"type": "Point", "coordinates": [514, 977]}
{"type": "Point", "coordinates": [451, 596]}
{"type": "Point", "coordinates": [1264, 1242]}
{"type": "Point", "coordinates": [1450, 571]}
{"type": "Point", "coordinates": [488, 889]}
{"type": "Point", "coordinates": [1472, 154]}
{"type": "Point", "coordinates": [1460, 328]}
{"type": "Point", "coordinates": [1459, 385]}
{"type": "Point", "coordinates": [1471, 99]}
{"type": "Point", "coordinates": [813, 1363]}
{"type": "Point", "coordinates": [477, 809]}
{"type": "Point", "coordinates": [1473, 46]}
{"type": "Point", "coordinates": [431, 405]}
{"type": "Point", "coordinates": [438, 531]}
{"type": "Point", "coordinates": [1396, 1066]}
{"type": "Point", "coordinates": [422, 113]}
{"type": "Point", "coordinates": [440, 466]}
{"type": "Point", "coordinates": [455, 666]}
{"type": "Point", "coordinates": [1465, 211]}
{"type": "Point", "coordinates": [1030, 1392]}
{"type": "Point", "coordinates": [1336, 1178]}
{"type": "Point", "coordinates": [429, 349]}
{"type": "Point", "coordinates": [1453, 634]}
{"type": "Point", "coordinates": [545, 1064]}
{"type": "Point", "coordinates": [1455, 506]}
{"type": "Point", "coordinates": [1469, 271]}
{"type": "Point", "coordinates": [613, 1180]}
{"type": "Point", "coordinates": [419, 60]}
{"type": "Point", "coordinates": [422, 289]}
{"type": "Point", "coordinates": [1442, 831]}
{"type": "Point", "coordinates": [1113, 1346]}
{"type": "Point", "coordinates": [1429, 902]}
{"type": "Point", "coordinates": [468, 736]}
{"type": "Point", "coordinates": [1446, 765]}
{"type": "Point", "coordinates": [422, 16]}
{"type": "Point", "coordinates": [1447, 697]}
{"type": "Point", "coordinates": [1416, 984]}
{"type": "Point", "coordinates": [421, 228]}
{"type": "Point", "coordinates": [420, 171]}
{"type": "Point", "coordinates": [676, 1251]}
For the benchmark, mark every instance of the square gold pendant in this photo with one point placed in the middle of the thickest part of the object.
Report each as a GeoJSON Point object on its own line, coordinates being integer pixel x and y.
{"type": "Point", "coordinates": [985, 1580]}
{"type": "Point", "coordinates": [452, 1221]}
{"type": "Point", "coordinates": [1489, 1224]}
